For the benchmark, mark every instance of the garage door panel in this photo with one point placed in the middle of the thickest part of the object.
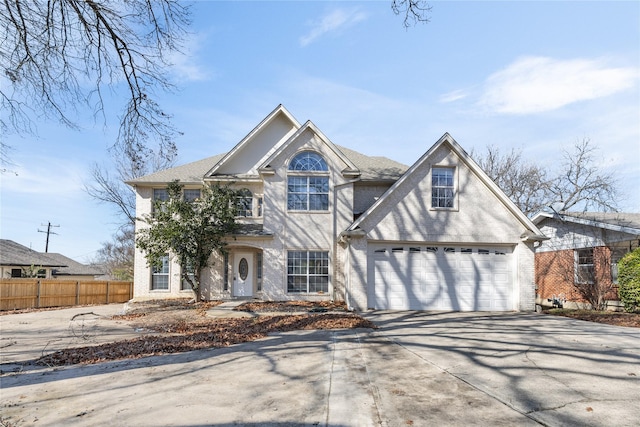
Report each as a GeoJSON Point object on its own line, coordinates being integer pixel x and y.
{"type": "Point", "coordinates": [442, 278]}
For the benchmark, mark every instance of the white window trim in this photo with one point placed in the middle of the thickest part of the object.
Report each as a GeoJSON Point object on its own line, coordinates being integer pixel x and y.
{"type": "Point", "coordinates": [577, 265]}
{"type": "Point", "coordinates": [168, 274]}
{"type": "Point", "coordinates": [307, 251]}
{"type": "Point", "coordinates": [455, 187]}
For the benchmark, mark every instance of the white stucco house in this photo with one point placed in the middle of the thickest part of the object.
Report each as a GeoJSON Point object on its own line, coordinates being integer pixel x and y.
{"type": "Point", "coordinates": [321, 221]}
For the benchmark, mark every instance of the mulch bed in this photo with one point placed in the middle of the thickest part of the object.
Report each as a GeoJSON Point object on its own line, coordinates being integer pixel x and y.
{"type": "Point", "coordinates": [291, 306]}
{"type": "Point", "coordinates": [179, 327]}
{"type": "Point", "coordinates": [616, 318]}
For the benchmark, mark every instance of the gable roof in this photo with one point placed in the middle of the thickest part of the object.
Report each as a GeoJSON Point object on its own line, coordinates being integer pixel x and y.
{"type": "Point", "coordinates": [533, 232]}
{"type": "Point", "coordinates": [626, 222]}
{"type": "Point", "coordinates": [279, 111]}
{"type": "Point", "coordinates": [368, 168]}
{"type": "Point", "coordinates": [351, 168]}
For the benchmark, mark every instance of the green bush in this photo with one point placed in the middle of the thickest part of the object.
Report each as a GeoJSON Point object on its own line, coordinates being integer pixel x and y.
{"type": "Point", "coordinates": [629, 280]}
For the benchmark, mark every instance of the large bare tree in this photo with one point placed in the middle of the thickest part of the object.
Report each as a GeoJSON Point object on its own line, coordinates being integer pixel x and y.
{"type": "Point", "coordinates": [60, 56]}
{"type": "Point", "coordinates": [578, 183]}
{"type": "Point", "coordinates": [582, 182]}
{"type": "Point", "coordinates": [525, 183]}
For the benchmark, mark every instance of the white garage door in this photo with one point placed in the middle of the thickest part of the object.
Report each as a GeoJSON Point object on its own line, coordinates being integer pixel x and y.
{"type": "Point", "coordinates": [442, 278]}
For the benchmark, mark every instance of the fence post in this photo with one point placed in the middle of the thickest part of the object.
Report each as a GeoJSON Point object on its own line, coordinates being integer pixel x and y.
{"type": "Point", "coordinates": [108, 289]}
{"type": "Point", "coordinates": [38, 293]}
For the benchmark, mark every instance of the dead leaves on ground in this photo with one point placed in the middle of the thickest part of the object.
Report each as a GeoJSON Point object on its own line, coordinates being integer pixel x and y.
{"type": "Point", "coordinates": [186, 336]}
{"type": "Point", "coordinates": [616, 318]}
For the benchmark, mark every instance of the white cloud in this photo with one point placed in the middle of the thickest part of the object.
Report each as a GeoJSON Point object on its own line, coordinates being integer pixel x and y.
{"type": "Point", "coordinates": [454, 95]}
{"type": "Point", "coordinates": [332, 22]}
{"type": "Point", "coordinates": [183, 64]}
{"type": "Point", "coordinates": [538, 84]}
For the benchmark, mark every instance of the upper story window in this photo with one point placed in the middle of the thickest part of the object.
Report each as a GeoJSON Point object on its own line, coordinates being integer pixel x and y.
{"type": "Point", "coordinates": [308, 161]}
{"type": "Point", "coordinates": [308, 183]}
{"type": "Point", "coordinates": [159, 195]}
{"type": "Point", "coordinates": [442, 188]}
{"type": "Point", "coordinates": [190, 195]}
{"type": "Point", "coordinates": [244, 203]}
{"type": "Point", "coordinates": [248, 205]}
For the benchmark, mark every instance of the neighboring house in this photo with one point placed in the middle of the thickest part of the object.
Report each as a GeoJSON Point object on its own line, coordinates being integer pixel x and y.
{"type": "Point", "coordinates": [324, 222]}
{"type": "Point", "coordinates": [582, 247]}
{"type": "Point", "coordinates": [73, 269]}
{"type": "Point", "coordinates": [17, 261]}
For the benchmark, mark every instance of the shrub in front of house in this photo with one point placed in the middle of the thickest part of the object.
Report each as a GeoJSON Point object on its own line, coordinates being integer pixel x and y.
{"type": "Point", "coordinates": [629, 280]}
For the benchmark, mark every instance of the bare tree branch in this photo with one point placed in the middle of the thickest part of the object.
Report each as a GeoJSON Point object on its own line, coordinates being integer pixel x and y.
{"type": "Point", "coordinates": [524, 183]}
{"type": "Point", "coordinates": [582, 182]}
{"type": "Point", "coordinates": [414, 11]}
{"type": "Point", "coordinates": [58, 56]}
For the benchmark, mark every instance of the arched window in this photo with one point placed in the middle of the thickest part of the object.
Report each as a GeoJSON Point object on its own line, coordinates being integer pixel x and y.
{"type": "Point", "coordinates": [308, 183]}
{"type": "Point", "coordinates": [308, 161]}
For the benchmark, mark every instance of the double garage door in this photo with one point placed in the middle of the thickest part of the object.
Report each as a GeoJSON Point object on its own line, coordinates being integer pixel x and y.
{"type": "Point", "coordinates": [414, 277]}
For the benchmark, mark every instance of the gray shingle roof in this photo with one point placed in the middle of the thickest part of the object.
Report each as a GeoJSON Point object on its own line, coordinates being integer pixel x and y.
{"type": "Point", "coordinates": [375, 168]}
{"type": "Point", "coordinates": [15, 254]}
{"type": "Point", "coordinates": [188, 173]}
{"type": "Point", "coordinates": [371, 168]}
{"type": "Point", "coordinates": [73, 267]}
{"type": "Point", "coordinates": [621, 219]}
{"type": "Point", "coordinates": [12, 253]}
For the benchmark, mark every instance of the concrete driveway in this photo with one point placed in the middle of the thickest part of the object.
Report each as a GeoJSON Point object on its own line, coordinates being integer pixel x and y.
{"type": "Point", "coordinates": [417, 369]}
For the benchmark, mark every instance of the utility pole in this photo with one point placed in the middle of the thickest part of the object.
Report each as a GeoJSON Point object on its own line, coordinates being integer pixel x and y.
{"type": "Point", "coordinates": [46, 249]}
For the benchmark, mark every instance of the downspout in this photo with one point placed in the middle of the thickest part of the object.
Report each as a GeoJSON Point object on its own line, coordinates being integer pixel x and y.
{"type": "Point", "coordinates": [345, 237]}
{"type": "Point", "coordinates": [347, 284]}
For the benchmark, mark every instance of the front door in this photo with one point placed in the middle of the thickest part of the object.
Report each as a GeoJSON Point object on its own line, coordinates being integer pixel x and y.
{"type": "Point", "coordinates": [243, 274]}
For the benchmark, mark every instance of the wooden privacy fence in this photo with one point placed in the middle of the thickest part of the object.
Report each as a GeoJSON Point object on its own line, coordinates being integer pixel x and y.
{"type": "Point", "coordinates": [37, 293]}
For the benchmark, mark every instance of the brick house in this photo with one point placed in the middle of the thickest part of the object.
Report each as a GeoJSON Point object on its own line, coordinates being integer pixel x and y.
{"type": "Point", "coordinates": [583, 247]}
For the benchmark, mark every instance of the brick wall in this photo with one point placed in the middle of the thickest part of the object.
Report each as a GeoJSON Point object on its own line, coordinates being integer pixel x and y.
{"type": "Point", "coordinates": [554, 273]}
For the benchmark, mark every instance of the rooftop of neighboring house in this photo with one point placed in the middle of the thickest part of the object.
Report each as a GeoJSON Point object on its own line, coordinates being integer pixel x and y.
{"type": "Point", "coordinates": [72, 267]}
{"type": "Point", "coordinates": [628, 222]}
{"type": "Point", "coordinates": [15, 254]}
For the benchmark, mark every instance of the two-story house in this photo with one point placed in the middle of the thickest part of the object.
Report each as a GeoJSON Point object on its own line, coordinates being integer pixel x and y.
{"type": "Point", "coordinates": [321, 221]}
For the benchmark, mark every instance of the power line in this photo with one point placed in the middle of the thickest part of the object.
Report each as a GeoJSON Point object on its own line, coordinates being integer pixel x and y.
{"type": "Point", "coordinates": [46, 248]}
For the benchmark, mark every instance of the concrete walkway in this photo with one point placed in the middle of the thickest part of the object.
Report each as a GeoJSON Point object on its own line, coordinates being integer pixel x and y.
{"type": "Point", "coordinates": [228, 310]}
{"type": "Point", "coordinates": [445, 369]}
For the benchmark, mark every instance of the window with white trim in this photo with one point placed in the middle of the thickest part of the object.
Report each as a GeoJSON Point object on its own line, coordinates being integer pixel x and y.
{"type": "Point", "coordinates": [191, 194]}
{"type": "Point", "coordinates": [244, 203]}
{"type": "Point", "coordinates": [584, 265]}
{"type": "Point", "coordinates": [308, 183]}
{"type": "Point", "coordinates": [159, 195]}
{"type": "Point", "coordinates": [160, 275]}
{"type": "Point", "coordinates": [307, 272]}
{"type": "Point", "coordinates": [442, 188]}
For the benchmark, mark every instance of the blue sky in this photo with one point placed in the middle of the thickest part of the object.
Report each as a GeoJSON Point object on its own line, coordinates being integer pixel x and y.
{"type": "Point", "coordinates": [535, 76]}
